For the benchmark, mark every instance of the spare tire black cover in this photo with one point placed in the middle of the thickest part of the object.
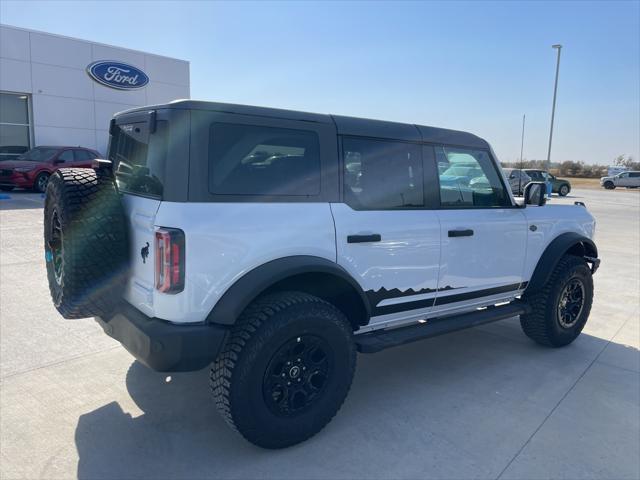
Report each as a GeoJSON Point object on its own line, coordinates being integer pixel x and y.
{"type": "Point", "coordinates": [85, 241]}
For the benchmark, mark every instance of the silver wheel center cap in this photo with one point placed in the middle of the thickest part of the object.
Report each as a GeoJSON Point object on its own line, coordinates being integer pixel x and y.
{"type": "Point", "coordinates": [294, 372]}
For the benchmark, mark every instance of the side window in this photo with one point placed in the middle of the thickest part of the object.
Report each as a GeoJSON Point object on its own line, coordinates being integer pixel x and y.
{"type": "Point", "coordinates": [139, 158]}
{"type": "Point", "coordinates": [255, 160]}
{"type": "Point", "coordinates": [66, 156]}
{"type": "Point", "coordinates": [468, 178]}
{"type": "Point", "coordinates": [634, 174]}
{"type": "Point", "coordinates": [381, 175]}
{"type": "Point", "coordinates": [623, 175]}
{"type": "Point", "coordinates": [82, 155]}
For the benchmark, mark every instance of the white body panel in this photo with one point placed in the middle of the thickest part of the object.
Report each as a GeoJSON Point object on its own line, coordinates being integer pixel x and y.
{"type": "Point", "coordinates": [491, 257]}
{"type": "Point", "coordinates": [223, 242]}
{"type": "Point", "coordinates": [406, 258]}
{"type": "Point", "coordinates": [550, 222]}
{"type": "Point", "coordinates": [141, 214]}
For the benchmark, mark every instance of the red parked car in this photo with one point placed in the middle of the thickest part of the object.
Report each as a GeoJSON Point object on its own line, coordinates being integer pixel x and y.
{"type": "Point", "coordinates": [33, 168]}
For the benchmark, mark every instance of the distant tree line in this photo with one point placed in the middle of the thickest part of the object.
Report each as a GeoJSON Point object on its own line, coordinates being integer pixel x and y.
{"type": "Point", "coordinates": [570, 168]}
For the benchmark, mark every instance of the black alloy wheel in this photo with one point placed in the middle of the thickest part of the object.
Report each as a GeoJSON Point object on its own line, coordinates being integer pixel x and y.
{"type": "Point", "coordinates": [571, 303]}
{"type": "Point", "coordinates": [297, 375]}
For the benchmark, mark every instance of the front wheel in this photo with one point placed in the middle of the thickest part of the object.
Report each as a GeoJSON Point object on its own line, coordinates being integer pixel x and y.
{"type": "Point", "coordinates": [40, 185]}
{"type": "Point", "coordinates": [285, 370]}
{"type": "Point", "coordinates": [609, 185]}
{"type": "Point", "coordinates": [564, 190]}
{"type": "Point", "coordinates": [559, 311]}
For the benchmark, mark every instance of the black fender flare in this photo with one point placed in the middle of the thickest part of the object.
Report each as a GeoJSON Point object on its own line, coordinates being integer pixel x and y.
{"type": "Point", "coordinates": [556, 250]}
{"type": "Point", "coordinates": [253, 283]}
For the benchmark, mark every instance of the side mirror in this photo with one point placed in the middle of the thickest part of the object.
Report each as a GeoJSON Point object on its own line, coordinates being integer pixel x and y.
{"type": "Point", "coordinates": [57, 161]}
{"type": "Point", "coordinates": [534, 194]}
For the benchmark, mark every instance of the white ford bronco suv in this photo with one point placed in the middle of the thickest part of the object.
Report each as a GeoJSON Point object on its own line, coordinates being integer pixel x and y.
{"type": "Point", "coordinates": [276, 244]}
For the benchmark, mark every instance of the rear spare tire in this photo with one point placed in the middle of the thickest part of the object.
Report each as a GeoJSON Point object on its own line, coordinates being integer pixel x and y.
{"type": "Point", "coordinates": [85, 242]}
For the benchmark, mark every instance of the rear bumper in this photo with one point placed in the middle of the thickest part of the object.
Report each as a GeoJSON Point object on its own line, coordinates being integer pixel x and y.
{"type": "Point", "coordinates": [163, 346]}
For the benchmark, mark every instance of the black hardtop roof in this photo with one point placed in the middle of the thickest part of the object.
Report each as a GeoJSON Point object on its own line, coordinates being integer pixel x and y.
{"type": "Point", "coordinates": [345, 125]}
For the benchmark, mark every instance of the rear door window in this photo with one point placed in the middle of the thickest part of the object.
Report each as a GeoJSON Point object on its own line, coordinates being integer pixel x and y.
{"type": "Point", "coordinates": [83, 155]}
{"type": "Point", "coordinates": [382, 175]}
{"type": "Point", "coordinates": [66, 156]}
{"type": "Point", "coordinates": [257, 160]}
{"type": "Point", "coordinates": [139, 159]}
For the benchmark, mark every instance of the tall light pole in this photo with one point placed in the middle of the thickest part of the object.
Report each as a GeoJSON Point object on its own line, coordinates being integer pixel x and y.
{"type": "Point", "coordinates": [521, 150]}
{"type": "Point", "coordinates": [558, 47]}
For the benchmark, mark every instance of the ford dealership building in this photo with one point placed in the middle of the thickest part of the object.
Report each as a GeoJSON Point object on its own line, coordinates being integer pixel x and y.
{"type": "Point", "coordinates": [56, 90]}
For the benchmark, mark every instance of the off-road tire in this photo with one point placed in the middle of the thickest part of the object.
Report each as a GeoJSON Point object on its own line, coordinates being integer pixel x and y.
{"type": "Point", "coordinates": [609, 185]}
{"type": "Point", "coordinates": [564, 190]}
{"type": "Point", "coordinates": [41, 182]}
{"type": "Point", "coordinates": [238, 374]}
{"type": "Point", "coordinates": [87, 257]}
{"type": "Point", "coordinates": [542, 324]}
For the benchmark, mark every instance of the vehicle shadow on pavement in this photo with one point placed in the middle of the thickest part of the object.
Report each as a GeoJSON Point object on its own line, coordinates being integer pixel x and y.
{"type": "Point", "coordinates": [446, 396]}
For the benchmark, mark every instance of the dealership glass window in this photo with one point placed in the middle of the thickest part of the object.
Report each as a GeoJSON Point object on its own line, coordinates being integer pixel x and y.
{"type": "Point", "coordinates": [382, 175]}
{"type": "Point", "coordinates": [253, 160]}
{"type": "Point", "coordinates": [15, 130]}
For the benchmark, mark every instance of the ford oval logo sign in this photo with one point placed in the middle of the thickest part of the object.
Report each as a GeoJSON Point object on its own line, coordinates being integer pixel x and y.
{"type": "Point", "coordinates": [117, 75]}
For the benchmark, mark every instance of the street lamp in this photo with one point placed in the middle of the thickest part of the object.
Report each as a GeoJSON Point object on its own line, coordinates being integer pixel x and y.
{"type": "Point", "coordinates": [558, 47]}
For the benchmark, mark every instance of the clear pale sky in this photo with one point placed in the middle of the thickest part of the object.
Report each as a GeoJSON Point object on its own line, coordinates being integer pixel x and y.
{"type": "Point", "coordinates": [476, 66]}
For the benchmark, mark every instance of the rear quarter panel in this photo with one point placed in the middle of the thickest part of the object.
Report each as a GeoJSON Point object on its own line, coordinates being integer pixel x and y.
{"type": "Point", "coordinates": [551, 221]}
{"type": "Point", "coordinates": [224, 241]}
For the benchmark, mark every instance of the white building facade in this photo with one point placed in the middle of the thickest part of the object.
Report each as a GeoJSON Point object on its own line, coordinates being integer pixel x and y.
{"type": "Point", "coordinates": [56, 90]}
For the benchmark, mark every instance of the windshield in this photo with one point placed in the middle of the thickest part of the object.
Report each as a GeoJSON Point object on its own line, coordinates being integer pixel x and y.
{"type": "Point", "coordinates": [38, 154]}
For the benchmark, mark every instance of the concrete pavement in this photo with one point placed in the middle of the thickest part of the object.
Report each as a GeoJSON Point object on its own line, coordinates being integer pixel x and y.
{"type": "Point", "coordinates": [481, 403]}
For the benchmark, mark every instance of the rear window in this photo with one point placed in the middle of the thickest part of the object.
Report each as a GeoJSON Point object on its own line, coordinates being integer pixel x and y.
{"type": "Point", "coordinates": [139, 158]}
{"type": "Point", "coordinates": [254, 160]}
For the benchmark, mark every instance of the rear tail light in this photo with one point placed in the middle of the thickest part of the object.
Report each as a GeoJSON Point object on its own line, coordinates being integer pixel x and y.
{"type": "Point", "coordinates": [170, 260]}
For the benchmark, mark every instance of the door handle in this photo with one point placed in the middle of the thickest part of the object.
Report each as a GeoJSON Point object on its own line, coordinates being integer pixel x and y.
{"type": "Point", "coordinates": [461, 233]}
{"type": "Point", "coordinates": [374, 237]}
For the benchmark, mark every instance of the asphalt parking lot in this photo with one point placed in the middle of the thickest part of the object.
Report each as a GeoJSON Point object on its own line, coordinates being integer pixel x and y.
{"type": "Point", "coordinates": [481, 403]}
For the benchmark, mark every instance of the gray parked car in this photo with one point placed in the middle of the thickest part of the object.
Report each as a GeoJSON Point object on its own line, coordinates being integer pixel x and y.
{"type": "Point", "coordinates": [517, 179]}
{"type": "Point", "coordinates": [624, 179]}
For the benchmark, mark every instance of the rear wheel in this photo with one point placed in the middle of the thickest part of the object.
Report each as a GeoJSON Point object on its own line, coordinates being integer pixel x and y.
{"type": "Point", "coordinates": [285, 370]}
{"type": "Point", "coordinates": [85, 243]}
{"type": "Point", "coordinates": [40, 184]}
{"type": "Point", "coordinates": [564, 190]}
{"type": "Point", "coordinates": [609, 185]}
{"type": "Point", "coordinates": [559, 311]}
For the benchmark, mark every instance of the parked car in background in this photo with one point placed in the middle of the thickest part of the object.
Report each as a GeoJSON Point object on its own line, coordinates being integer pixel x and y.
{"type": "Point", "coordinates": [517, 179]}
{"type": "Point", "coordinates": [624, 179]}
{"type": "Point", "coordinates": [32, 169]}
{"type": "Point", "coordinates": [613, 170]}
{"type": "Point", "coordinates": [559, 185]}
